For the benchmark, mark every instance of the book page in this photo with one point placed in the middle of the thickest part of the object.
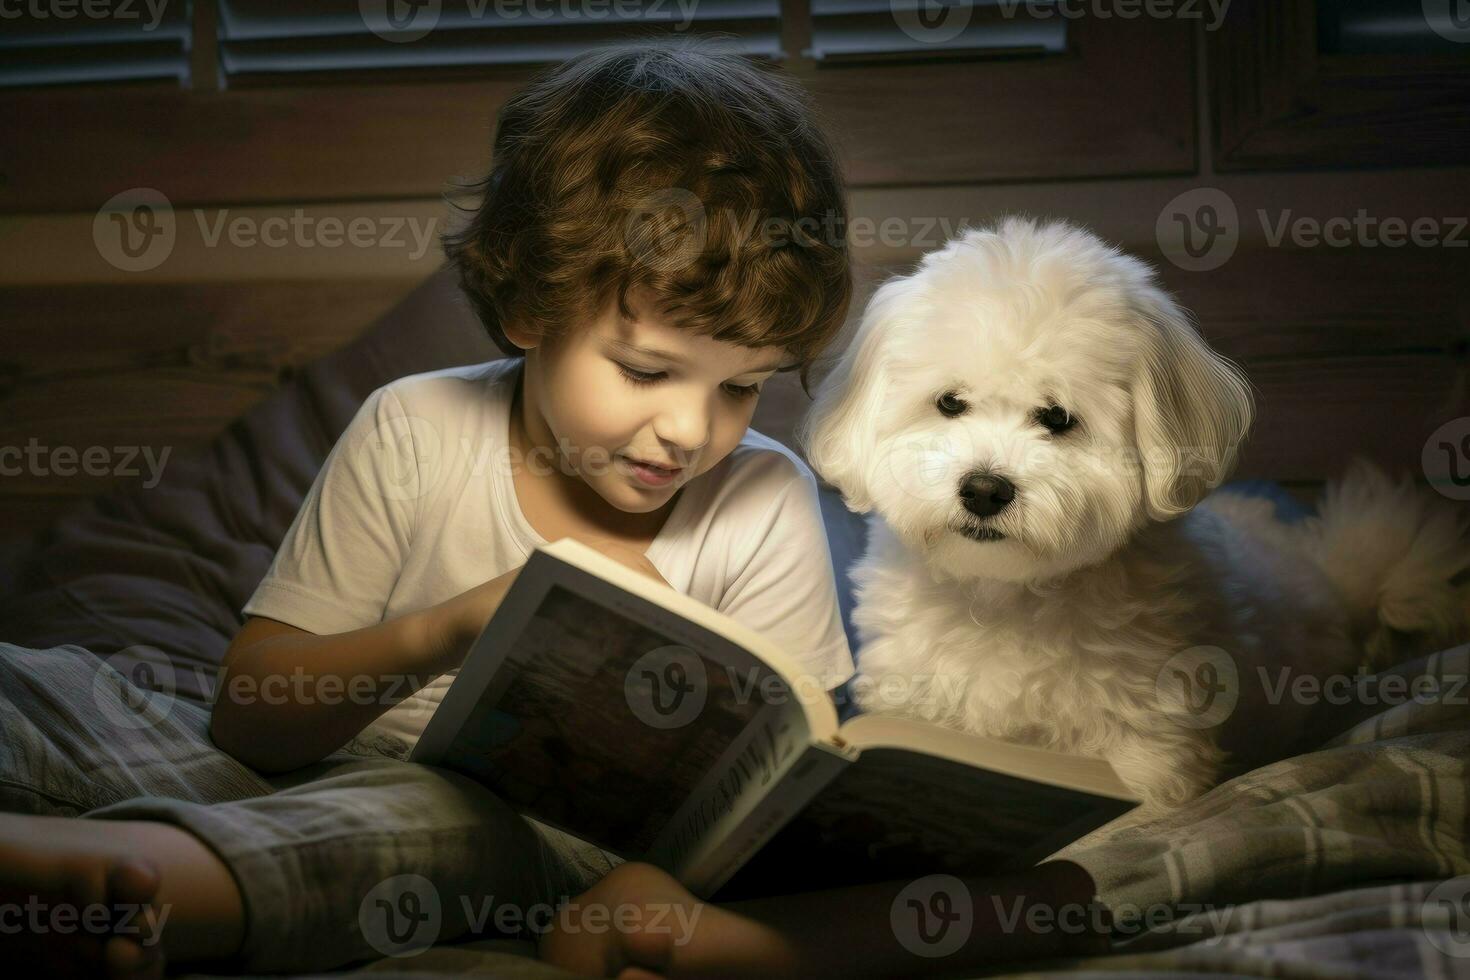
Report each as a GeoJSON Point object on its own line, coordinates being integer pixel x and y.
{"type": "Point", "coordinates": [620, 587]}
{"type": "Point", "coordinates": [1077, 772]}
{"type": "Point", "coordinates": [897, 814]}
{"type": "Point", "coordinates": [598, 712]}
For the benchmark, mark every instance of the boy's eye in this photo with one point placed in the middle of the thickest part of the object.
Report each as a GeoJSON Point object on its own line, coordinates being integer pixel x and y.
{"type": "Point", "coordinates": [640, 377]}
{"type": "Point", "coordinates": [637, 377]}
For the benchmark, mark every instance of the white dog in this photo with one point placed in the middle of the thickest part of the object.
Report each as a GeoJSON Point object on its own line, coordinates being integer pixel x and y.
{"type": "Point", "coordinates": [1033, 421]}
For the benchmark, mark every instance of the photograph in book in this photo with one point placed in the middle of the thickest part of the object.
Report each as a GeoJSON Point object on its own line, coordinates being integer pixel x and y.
{"type": "Point", "coordinates": [568, 741]}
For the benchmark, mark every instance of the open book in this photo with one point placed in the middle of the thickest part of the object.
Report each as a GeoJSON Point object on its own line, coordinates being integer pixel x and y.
{"type": "Point", "coordinates": [627, 714]}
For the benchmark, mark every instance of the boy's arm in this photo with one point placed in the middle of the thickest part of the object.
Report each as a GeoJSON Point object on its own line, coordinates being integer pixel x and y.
{"type": "Point", "coordinates": [288, 697]}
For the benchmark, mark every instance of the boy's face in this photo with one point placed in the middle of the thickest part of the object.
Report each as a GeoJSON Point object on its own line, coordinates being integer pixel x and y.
{"type": "Point", "coordinates": [615, 393]}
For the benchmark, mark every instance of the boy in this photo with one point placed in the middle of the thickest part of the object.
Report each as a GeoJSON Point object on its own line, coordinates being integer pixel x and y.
{"type": "Point", "coordinates": [624, 424]}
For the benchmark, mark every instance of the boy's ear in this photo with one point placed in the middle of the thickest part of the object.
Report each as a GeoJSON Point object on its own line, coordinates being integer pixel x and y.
{"type": "Point", "coordinates": [522, 338]}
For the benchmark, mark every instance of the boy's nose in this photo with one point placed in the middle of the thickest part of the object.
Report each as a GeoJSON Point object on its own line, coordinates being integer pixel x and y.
{"type": "Point", "coordinates": [686, 428]}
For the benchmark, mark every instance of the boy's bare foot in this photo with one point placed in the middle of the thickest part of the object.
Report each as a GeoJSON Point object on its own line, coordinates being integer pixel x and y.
{"type": "Point", "coordinates": [108, 897]}
{"type": "Point", "coordinates": [70, 908]}
{"type": "Point", "coordinates": [639, 923]}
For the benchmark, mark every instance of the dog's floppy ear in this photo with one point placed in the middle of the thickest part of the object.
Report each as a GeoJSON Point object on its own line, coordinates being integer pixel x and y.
{"type": "Point", "coordinates": [1192, 408]}
{"type": "Point", "coordinates": [839, 432]}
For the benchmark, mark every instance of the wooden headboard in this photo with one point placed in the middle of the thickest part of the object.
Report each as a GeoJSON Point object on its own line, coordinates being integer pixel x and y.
{"type": "Point", "coordinates": [1351, 351]}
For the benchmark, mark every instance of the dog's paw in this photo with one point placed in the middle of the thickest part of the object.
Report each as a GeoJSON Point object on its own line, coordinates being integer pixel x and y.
{"type": "Point", "coordinates": [1169, 770]}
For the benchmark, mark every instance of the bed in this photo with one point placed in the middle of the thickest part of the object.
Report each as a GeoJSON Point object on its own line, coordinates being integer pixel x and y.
{"type": "Point", "coordinates": [1346, 861]}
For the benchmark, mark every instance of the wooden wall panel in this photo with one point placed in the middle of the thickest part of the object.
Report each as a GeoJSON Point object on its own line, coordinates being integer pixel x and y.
{"type": "Point", "coordinates": [1281, 104]}
{"type": "Point", "coordinates": [1352, 351]}
{"type": "Point", "coordinates": [263, 327]}
{"type": "Point", "coordinates": [1316, 414]}
{"type": "Point", "coordinates": [1268, 303]}
{"type": "Point", "coordinates": [159, 366]}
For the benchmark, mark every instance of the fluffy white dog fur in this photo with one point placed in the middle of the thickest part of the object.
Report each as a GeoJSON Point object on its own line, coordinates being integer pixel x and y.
{"type": "Point", "coordinates": [1036, 354]}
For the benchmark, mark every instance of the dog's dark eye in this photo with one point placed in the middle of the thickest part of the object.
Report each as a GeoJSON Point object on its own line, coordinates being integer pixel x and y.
{"type": "Point", "coordinates": [1056, 418]}
{"type": "Point", "coordinates": [951, 404]}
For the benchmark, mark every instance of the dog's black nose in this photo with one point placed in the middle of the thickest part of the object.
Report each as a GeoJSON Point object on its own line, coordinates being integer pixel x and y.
{"type": "Point", "coordinates": [986, 494]}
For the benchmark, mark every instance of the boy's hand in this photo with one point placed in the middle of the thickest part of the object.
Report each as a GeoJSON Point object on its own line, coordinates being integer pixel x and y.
{"type": "Point", "coordinates": [455, 624]}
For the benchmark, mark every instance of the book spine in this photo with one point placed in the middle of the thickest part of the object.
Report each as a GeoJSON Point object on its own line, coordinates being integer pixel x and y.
{"type": "Point", "coordinates": [808, 774]}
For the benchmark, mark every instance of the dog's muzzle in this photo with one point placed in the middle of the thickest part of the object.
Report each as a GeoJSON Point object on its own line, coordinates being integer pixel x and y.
{"type": "Point", "coordinates": [986, 494]}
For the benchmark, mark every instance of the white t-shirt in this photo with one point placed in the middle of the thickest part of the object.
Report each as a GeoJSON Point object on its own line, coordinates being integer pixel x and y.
{"type": "Point", "coordinates": [415, 504]}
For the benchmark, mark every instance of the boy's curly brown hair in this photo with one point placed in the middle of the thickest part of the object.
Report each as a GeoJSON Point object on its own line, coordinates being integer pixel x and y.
{"type": "Point", "coordinates": [662, 164]}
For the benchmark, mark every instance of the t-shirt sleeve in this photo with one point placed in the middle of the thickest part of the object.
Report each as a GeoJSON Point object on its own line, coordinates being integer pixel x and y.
{"type": "Point", "coordinates": [341, 556]}
{"type": "Point", "coordinates": [786, 590]}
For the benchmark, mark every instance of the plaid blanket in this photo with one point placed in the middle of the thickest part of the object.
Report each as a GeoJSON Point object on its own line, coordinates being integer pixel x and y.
{"type": "Point", "coordinates": [1346, 861]}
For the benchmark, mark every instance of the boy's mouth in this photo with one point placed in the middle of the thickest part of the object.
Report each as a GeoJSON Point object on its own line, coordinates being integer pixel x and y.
{"type": "Point", "coordinates": [666, 467]}
{"type": "Point", "coordinates": [653, 474]}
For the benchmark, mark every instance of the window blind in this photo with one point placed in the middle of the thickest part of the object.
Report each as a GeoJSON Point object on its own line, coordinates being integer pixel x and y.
{"type": "Point", "coordinates": [863, 31]}
{"type": "Point", "coordinates": [272, 37]}
{"type": "Point", "coordinates": [59, 44]}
